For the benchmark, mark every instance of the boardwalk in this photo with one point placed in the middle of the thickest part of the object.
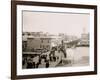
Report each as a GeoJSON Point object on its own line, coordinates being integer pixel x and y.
{"type": "Point", "coordinates": [75, 57]}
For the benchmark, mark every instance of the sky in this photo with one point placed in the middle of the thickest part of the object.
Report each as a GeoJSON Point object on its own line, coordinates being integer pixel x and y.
{"type": "Point", "coordinates": [54, 23]}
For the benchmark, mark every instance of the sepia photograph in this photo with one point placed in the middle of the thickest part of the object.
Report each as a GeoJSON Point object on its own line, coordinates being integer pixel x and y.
{"type": "Point", "coordinates": [55, 39]}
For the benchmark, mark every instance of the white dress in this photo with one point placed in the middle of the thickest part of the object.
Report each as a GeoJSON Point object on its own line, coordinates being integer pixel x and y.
{"type": "Point", "coordinates": [36, 59]}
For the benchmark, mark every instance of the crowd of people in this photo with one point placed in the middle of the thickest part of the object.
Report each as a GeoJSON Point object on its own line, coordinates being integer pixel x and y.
{"type": "Point", "coordinates": [42, 60]}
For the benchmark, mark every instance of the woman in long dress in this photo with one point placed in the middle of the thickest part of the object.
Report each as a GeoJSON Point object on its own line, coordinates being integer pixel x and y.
{"type": "Point", "coordinates": [43, 64]}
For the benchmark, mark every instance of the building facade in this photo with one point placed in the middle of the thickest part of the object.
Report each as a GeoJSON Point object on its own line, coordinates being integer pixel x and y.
{"type": "Point", "coordinates": [33, 41]}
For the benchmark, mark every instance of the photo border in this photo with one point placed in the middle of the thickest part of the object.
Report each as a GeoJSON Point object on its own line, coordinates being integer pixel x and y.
{"type": "Point", "coordinates": [14, 38]}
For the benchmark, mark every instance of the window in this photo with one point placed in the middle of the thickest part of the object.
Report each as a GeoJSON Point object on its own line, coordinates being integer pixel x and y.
{"type": "Point", "coordinates": [41, 40]}
{"type": "Point", "coordinates": [48, 41]}
{"type": "Point", "coordinates": [40, 46]}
